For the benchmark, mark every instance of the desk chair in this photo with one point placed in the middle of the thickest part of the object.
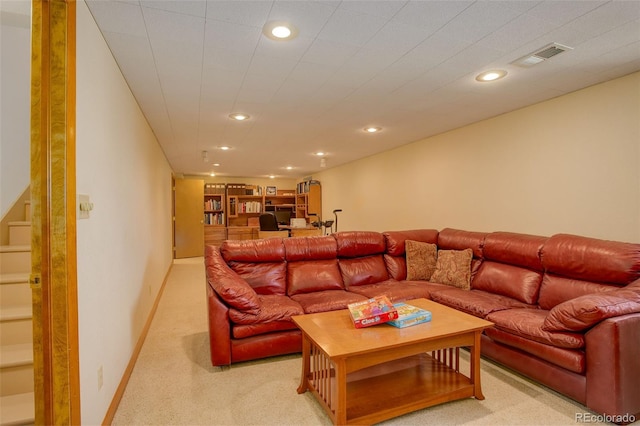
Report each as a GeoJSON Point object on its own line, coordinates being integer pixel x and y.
{"type": "Point", "coordinates": [268, 222]}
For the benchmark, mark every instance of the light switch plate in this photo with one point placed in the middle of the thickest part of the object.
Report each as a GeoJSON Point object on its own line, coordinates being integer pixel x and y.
{"type": "Point", "coordinates": [84, 206]}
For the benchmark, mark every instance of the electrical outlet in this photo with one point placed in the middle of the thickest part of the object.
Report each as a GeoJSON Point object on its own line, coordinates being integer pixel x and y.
{"type": "Point", "coordinates": [100, 378]}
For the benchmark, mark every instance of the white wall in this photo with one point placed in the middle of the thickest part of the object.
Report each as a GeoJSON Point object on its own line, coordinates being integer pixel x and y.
{"type": "Point", "coordinates": [571, 164]}
{"type": "Point", "coordinates": [15, 89]}
{"type": "Point", "coordinates": [124, 249]}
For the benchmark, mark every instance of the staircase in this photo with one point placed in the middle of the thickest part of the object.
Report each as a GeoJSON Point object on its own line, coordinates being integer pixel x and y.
{"type": "Point", "coordinates": [16, 334]}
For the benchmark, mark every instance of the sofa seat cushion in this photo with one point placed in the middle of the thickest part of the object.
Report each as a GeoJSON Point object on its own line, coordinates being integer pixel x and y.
{"type": "Point", "coordinates": [313, 275]}
{"type": "Point", "coordinates": [363, 270]}
{"type": "Point", "coordinates": [571, 359]}
{"type": "Point", "coordinates": [328, 300]}
{"type": "Point", "coordinates": [476, 302]}
{"type": "Point", "coordinates": [240, 331]}
{"type": "Point", "coordinates": [399, 291]}
{"type": "Point", "coordinates": [586, 311]}
{"type": "Point", "coordinates": [273, 308]}
{"type": "Point", "coordinates": [264, 278]}
{"type": "Point", "coordinates": [527, 323]}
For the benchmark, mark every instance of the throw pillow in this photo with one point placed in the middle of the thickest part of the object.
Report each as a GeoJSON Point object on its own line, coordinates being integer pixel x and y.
{"type": "Point", "coordinates": [453, 267]}
{"type": "Point", "coordinates": [421, 260]}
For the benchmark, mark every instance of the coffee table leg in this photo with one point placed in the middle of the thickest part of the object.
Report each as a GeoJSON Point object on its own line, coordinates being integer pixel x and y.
{"type": "Point", "coordinates": [304, 378]}
{"type": "Point", "coordinates": [475, 366]}
{"type": "Point", "coordinates": [341, 391]}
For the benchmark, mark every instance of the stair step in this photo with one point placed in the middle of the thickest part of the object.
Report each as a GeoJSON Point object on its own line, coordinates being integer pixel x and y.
{"type": "Point", "coordinates": [14, 290]}
{"type": "Point", "coordinates": [16, 355]}
{"type": "Point", "coordinates": [15, 278]}
{"type": "Point", "coordinates": [16, 332]}
{"type": "Point", "coordinates": [15, 259]}
{"type": "Point", "coordinates": [15, 313]}
{"type": "Point", "coordinates": [19, 233]}
{"type": "Point", "coordinates": [17, 409]}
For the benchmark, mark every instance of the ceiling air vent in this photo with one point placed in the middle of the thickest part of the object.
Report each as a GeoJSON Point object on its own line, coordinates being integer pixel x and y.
{"type": "Point", "coordinates": [541, 55]}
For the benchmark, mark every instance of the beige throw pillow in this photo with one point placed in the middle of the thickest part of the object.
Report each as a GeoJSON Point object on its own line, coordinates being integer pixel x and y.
{"type": "Point", "coordinates": [421, 260]}
{"type": "Point", "coordinates": [453, 267]}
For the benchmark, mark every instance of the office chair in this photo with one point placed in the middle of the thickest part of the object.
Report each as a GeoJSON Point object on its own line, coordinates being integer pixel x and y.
{"type": "Point", "coordinates": [268, 222]}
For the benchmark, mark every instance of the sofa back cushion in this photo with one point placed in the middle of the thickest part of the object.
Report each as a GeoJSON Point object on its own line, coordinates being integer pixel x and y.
{"type": "Point", "coordinates": [394, 257]}
{"type": "Point", "coordinates": [395, 240]}
{"type": "Point", "coordinates": [359, 243]}
{"type": "Point", "coordinates": [266, 278]}
{"type": "Point", "coordinates": [265, 250]}
{"type": "Point", "coordinates": [514, 249]}
{"type": "Point", "coordinates": [310, 248]}
{"type": "Point", "coordinates": [313, 275]}
{"type": "Point", "coordinates": [576, 266]}
{"type": "Point", "coordinates": [259, 262]}
{"type": "Point", "coordinates": [556, 289]}
{"type": "Point", "coordinates": [508, 280]}
{"type": "Point", "coordinates": [363, 270]}
{"type": "Point", "coordinates": [592, 259]}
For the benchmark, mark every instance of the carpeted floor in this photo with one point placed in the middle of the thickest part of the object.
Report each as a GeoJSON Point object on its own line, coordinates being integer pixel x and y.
{"type": "Point", "coordinates": [173, 382]}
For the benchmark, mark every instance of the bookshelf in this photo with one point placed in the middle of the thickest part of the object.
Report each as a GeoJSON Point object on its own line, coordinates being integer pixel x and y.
{"type": "Point", "coordinates": [215, 231]}
{"type": "Point", "coordinates": [309, 200]}
{"type": "Point", "coordinates": [283, 200]}
{"type": "Point", "coordinates": [243, 203]}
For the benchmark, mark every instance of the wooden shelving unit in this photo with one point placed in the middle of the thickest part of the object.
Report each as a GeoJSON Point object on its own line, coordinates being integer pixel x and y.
{"type": "Point", "coordinates": [215, 231]}
{"type": "Point", "coordinates": [309, 200]}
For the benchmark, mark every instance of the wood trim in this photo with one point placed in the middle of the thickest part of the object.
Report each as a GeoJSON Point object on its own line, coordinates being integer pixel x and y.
{"type": "Point", "coordinates": [117, 397]}
{"type": "Point", "coordinates": [53, 188]}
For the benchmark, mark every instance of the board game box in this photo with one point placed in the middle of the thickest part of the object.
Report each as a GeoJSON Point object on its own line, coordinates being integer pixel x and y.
{"type": "Point", "coordinates": [370, 312]}
{"type": "Point", "coordinates": [409, 315]}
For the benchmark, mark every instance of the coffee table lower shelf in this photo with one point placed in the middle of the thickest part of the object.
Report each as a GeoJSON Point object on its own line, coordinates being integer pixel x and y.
{"type": "Point", "coordinates": [393, 388]}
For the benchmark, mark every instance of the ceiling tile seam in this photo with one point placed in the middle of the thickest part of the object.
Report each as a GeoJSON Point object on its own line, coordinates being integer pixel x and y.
{"type": "Point", "coordinates": [155, 63]}
{"type": "Point", "coordinates": [416, 46]}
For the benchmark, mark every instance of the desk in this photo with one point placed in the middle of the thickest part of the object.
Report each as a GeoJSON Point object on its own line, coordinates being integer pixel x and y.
{"type": "Point", "coordinates": [305, 232]}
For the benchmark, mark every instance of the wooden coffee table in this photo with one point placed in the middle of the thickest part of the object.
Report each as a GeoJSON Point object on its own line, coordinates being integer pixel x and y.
{"type": "Point", "coordinates": [366, 375]}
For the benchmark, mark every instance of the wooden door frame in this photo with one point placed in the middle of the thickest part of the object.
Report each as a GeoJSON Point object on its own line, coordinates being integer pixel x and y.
{"type": "Point", "coordinates": [53, 212]}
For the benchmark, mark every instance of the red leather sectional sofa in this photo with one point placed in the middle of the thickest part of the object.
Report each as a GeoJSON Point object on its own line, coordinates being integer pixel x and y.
{"type": "Point", "coordinates": [566, 308]}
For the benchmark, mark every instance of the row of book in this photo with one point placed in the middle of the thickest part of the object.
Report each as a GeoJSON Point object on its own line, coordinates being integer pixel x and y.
{"type": "Point", "coordinates": [215, 188]}
{"type": "Point", "coordinates": [380, 310]}
{"type": "Point", "coordinates": [212, 205]}
{"type": "Point", "coordinates": [249, 207]}
{"type": "Point", "coordinates": [243, 189]}
{"type": "Point", "coordinates": [214, 219]}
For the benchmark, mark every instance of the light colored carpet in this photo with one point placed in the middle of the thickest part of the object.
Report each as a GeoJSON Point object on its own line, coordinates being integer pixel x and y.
{"type": "Point", "coordinates": [173, 382]}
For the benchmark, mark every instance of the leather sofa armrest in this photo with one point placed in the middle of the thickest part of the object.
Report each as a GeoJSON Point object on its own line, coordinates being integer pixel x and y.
{"type": "Point", "coordinates": [219, 329]}
{"type": "Point", "coordinates": [613, 367]}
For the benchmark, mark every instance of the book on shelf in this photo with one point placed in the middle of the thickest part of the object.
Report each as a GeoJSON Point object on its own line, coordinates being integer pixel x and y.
{"type": "Point", "coordinates": [409, 315]}
{"type": "Point", "coordinates": [370, 312]}
{"type": "Point", "coordinates": [214, 188]}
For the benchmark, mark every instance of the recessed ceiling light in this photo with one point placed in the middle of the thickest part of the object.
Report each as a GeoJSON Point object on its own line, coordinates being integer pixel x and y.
{"type": "Point", "coordinates": [238, 116]}
{"type": "Point", "coordinates": [289, 167]}
{"type": "Point", "coordinates": [225, 148]}
{"type": "Point", "coordinates": [216, 164]}
{"type": "Point", "coordinates": [279, 30]}
{"type": "Point", "coordinates": [372, 129]}
{"type": "Point", "coordinates": [492, 75]}
{"type": "Point", "coordinates": [271, 177]}
{"type": "Point", "coordinates": [320, 153]}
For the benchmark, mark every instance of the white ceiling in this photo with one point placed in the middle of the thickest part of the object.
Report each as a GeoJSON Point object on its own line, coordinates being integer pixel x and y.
{"type": "Point", "coordinates": [406, 66]}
